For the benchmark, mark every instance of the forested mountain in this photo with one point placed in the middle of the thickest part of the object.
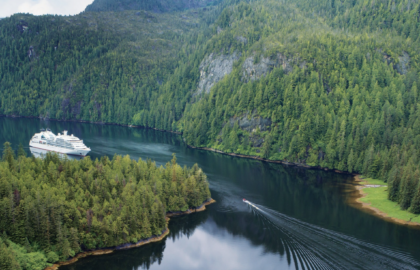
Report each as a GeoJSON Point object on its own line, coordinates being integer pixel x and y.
{"type": "Point", "coordinates": [53, 208]}
{"type": "Point", "coordinates": [152, 5]}
{"type": "Point", "coordinates": [325, 83]}
{"type": "Point", "coordinates": [97, 66]}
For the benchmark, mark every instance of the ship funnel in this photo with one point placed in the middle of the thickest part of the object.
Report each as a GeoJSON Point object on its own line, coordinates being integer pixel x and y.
{"type": "Point", "coordinates": [65, 132]}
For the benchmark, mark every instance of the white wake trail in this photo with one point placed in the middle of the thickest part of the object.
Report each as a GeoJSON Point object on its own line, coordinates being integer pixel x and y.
{"type": "Point", "coordinates": [314, 247]}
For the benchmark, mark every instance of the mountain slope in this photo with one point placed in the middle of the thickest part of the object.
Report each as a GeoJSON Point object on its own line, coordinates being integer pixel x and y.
{"type": "Point", "coordinates": [150, 5]}
{"type": "Point", "coordinates": [310, 93]}
{"type": "Point", "coordinates": [96, 66]}
{"type": "Point", "coordinates": [304, 91]}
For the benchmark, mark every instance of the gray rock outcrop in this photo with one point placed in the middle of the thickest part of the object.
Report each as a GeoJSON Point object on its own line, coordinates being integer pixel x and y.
{"type": "Point", "coordinates": [288, 62]}
{"type": "Point", "coordinates": [251, 123]}
{"type": "Point", "coordinates": [242, 39]}
{"type": "Point", "coordinates": [31, 52]}
{"type": "Point", "coordinates": [213, 69]}
{"type": "Point", "coordinates": [253, 71]}
{"type": "Point", "coordinates": [22, 26]}
{"type": "Point", "coordinates": [403, 63]}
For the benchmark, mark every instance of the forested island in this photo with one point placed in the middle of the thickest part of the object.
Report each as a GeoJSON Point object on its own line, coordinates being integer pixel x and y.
{"type": "Point", "coordinates": [324, 83]}
{"type": "Point", "coordinates": [53, 208]}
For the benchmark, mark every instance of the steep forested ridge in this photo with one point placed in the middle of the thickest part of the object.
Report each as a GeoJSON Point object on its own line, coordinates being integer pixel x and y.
{"type": "Point", "coordinates": [97, 66]}
{"type": "Point", "coordinates": [53, 208]}
{"type": "Point", "coordinates": [325, 83]}
{"type": "Point", "coordinates": [323, 96]}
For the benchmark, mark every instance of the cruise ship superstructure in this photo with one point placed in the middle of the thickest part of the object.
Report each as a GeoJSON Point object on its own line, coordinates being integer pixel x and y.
{"type": "Point", "coordinates": [61, 143]}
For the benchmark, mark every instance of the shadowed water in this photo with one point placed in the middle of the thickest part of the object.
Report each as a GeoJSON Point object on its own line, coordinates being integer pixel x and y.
{"type": "Point", "coordinates": [303, 221]}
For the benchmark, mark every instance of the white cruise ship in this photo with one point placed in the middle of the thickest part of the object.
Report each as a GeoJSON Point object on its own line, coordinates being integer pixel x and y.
{"type": "Point", "coordinates": [61, 143]}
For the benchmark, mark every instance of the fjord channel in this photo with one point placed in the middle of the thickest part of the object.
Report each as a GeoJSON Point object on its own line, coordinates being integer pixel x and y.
{"type": "Point", "coordinates": [303, 220]}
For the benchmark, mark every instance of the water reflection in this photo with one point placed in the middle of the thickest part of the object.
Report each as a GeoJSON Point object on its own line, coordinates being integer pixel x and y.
{"type": "Point", "coordinates": [222, 251]}
{"type": "Point", "coordinates": [41, 153]}
{"type": "Point", "coordinates": [195, 242]}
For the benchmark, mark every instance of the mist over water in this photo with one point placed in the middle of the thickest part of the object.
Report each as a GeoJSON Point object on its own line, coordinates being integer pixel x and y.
{"type": "Point", "coordinates": [303, 221]}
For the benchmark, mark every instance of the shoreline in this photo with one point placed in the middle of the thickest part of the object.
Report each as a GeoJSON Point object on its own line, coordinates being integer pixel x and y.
{"type": "Point", "coordinates": [152, 239]}
{"type": "Point", "coordinates": [190, 146]}
{"type": "Point", "coordinates": [108, 250]}
{"type": "Point", "coordinates": [271, 161]}
{"type": "Point", "coordinates": [88, 122]}
{"type": "Point", "coordinates": [201, 208]}
{"type": "Point", "coordinates": [355, 201]}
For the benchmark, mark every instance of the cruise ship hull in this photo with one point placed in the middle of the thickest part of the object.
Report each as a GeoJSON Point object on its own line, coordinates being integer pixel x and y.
{"type": "Point", "coordinates": [73, 152]}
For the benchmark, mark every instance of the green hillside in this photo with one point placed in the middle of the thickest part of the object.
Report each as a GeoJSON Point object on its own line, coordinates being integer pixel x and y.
{"type": "Point", "coordinates": [310, 90]}
{"type": "Point", "coordinates": [96, 66]}
{"type": "Point", "coordinates": [332, 84]}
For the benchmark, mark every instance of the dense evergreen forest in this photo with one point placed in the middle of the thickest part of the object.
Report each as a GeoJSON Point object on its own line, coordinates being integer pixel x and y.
{"type": "Point", "coordinates": [152, 5]}
{"type": "Point", "coordinates": [324, 83]}
{"type": "Point", "coordinates": [53, 208]}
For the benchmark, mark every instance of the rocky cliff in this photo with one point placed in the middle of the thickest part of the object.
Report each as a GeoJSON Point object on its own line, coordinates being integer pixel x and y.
{"type": "Point", "coordinates": [213, 69]}
{"type": "Point", "coordinates": [403, 64]}
{"type": "Point", "coordinates": [255, 67]}
{"type": "Point", "coordinates": [250, 122]}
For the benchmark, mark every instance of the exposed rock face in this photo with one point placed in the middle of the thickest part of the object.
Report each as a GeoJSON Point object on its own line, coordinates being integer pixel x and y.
{"type": "Point", "coordinates": [253, 71]}
{"type": "Point", "coordinates": [213, 69]}
{"type": "Point", "coordinates": [242, 39]}
{"type": "Point", "coordinates": [252, 123]}
{"type": "Point", "coordinates": [22, 26]}
{"type": "Point", "coordinates": [31, 52]}
{"type": "Point", "coordinates": [288, 62]}
{"type": "Point", "coordinates": [403, 64]}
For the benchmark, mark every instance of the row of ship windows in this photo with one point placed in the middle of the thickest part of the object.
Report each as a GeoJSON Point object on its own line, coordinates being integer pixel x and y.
{"type": "Point", "coordinates": [56, 144]}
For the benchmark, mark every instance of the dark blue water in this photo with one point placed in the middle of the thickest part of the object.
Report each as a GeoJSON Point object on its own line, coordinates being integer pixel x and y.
{"type": "Point", "coordinates": [302, 220]}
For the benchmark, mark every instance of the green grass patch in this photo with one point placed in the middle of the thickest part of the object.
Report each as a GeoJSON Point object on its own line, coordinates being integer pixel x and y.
{"type": "Point", "coordinates": [370, 181]}
{"type": "Point", "coordinates": [378, 198]}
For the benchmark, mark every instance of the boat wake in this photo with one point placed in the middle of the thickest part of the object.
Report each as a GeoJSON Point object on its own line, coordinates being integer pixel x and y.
{"type": "Point", "coordinates": [314, 247]}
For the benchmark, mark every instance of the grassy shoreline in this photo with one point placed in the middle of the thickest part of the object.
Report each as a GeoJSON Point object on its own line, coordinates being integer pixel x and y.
{"type": "Point", "coordinates": [374, 196]}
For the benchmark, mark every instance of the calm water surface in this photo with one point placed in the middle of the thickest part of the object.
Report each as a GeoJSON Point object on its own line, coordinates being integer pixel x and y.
{"type": "Point", "coordinates": [302, 220]}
